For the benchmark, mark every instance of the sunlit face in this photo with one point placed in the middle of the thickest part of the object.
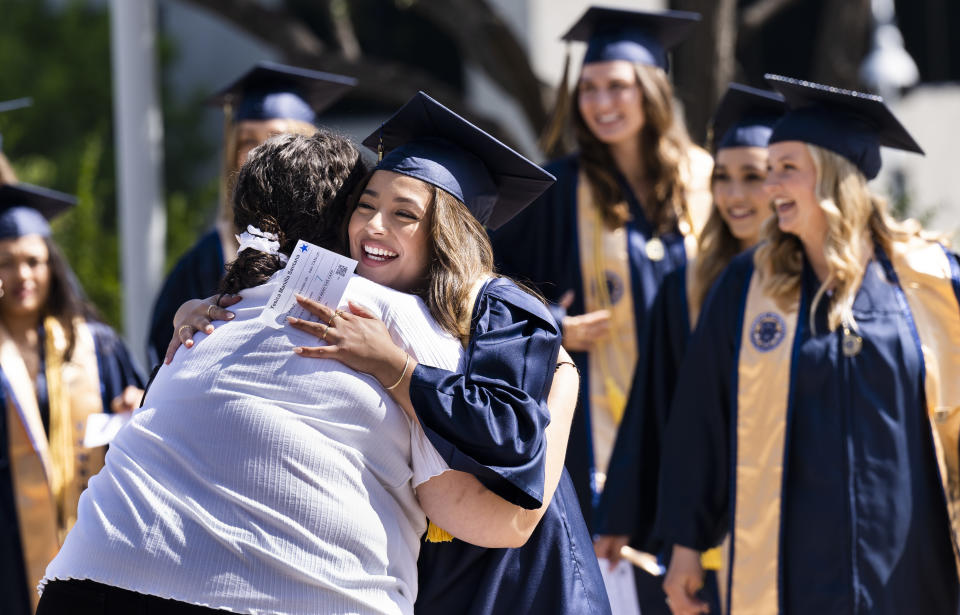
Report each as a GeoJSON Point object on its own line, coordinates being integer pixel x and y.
{"type": "Point", "coordinates": [25, 274]}
{"type": "Point", "coordinates": [791, 185]}
{"type": "Point", "coordinates": [251, 133]}
{"type": "Point", "coordinates": [738, 192]}
{"type": "Point", "coordinates": [610, 100]}
{"type": "Point", "coordinates": [389, 231]}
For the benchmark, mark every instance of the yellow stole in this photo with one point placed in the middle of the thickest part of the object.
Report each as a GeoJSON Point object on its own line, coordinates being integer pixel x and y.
{"type": "Point", "coordinates": [763, 387]}
{"type": "Point", "coordinates": [761, 424]}
{"type": "Point", "coordinates": [925, 277]}
{"type": "Point", "coordinates": [50, 473]}
{"type": "Point", "coordinates": [605, 267]}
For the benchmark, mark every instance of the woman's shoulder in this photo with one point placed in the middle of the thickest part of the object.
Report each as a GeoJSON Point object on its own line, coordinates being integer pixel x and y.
{"type": "Point", "coordinates": [520, 304]}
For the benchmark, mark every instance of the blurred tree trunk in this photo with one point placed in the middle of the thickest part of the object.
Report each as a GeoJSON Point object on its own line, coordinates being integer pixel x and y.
{"type": "Point", "coordinates": [842, 41]}
{"type": "Point", "coordinates": [705, 64]}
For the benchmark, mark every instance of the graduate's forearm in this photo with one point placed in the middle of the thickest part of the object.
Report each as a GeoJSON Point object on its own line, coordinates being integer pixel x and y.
{"type": "Point", "coordinates": [460, 504]}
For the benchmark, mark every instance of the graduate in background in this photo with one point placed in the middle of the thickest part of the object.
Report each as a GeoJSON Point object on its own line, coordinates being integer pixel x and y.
{"type": "Point", "coordinates": [58, 365]}
{"type": "Point", "coordinates": [600, 241]}
{"type": "Point", "coordinates": [267, 100]}
{"type": "Point", "coordinates": [817, 410]}
{"type": "Point", "coordinates": [742, 126]}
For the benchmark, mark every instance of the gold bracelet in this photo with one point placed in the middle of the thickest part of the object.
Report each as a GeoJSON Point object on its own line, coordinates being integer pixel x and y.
{"type": "Point", "coordinates": [406, 364]}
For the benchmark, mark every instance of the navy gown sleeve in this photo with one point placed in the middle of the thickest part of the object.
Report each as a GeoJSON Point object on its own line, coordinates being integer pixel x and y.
{"type": "Point", "coordinates": [196, 275]}
{"type": "Point", "coordinates": [118, 369]}
{"type": "Point", "coordinates": [628, 504]}
{"type": "Point", "coordinates": [489, 420]}
{"type": "Point", "coordinates": [694, 481]}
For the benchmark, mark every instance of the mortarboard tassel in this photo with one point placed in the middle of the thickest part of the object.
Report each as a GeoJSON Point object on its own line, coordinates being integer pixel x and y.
{"type": "Point", "coordinates": [435, 533]}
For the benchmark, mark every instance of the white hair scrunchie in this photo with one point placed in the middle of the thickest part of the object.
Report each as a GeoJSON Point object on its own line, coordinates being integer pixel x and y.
{"type": "Point", "coordinates": [254, 238]}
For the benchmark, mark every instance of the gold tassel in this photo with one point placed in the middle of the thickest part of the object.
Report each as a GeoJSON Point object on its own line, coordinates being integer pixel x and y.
{"type": "Point", "coordinates": [712, 559]}
{"type": "Point", "coordinates": [435, 533]}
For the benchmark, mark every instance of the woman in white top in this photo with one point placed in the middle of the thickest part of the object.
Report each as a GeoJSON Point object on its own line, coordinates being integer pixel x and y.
{"type": "Point", "coordinates": [243, 484]}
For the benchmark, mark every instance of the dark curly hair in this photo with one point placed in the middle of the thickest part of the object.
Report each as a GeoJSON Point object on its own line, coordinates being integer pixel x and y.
{"type": "Point", "coordinates": [295, 187]}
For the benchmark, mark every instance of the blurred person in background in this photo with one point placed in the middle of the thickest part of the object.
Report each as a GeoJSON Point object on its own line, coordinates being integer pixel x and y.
{"type": "Point", "coordinates": [817, 412]}
{"type": "Point", "coordinates": [58, 366]}
{"type": "Point", "coordinates": [622, 215]}
{"type": "Point", "coordinates": [268, 100]}
{"type": "Point", "coordinates": [742, 126]}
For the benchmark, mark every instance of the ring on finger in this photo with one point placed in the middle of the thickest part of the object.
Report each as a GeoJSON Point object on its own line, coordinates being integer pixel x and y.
{"type": "Point", "coordinates": [334, 317]}
{"type": "Point", "coordinates": [323, 335]}
{"type": "Point", "coordinates": [209, 315]}
{"type": "Point", "coordinates": [182, 327]}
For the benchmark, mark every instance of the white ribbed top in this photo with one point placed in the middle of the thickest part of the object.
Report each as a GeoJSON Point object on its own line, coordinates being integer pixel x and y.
{"type": "Point", "coordinates": [258, 481]}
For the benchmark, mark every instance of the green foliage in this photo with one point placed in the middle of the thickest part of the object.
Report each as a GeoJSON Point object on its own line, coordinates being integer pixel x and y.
{"type": "Point", "coordinates": [59, 54]}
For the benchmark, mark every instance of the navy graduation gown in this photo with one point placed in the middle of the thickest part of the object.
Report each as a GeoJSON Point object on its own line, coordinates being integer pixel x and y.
{"type": "Point", "coordinates": [117, 371]}
{"type": "Point", "coordinates": [541, 247]}
{"type": "Point", "coordinates": [196, 274]}
{"type": "Point", "coordinates": [556, 572]}
{"type": "Point", "coordinates": [489, 419]}
{"type": "Point", "coordinates": [864, 526]}
{"type": "Point", "coordinates": [510, 359]}
{"type": "Point", "coordinates": [628, 505]}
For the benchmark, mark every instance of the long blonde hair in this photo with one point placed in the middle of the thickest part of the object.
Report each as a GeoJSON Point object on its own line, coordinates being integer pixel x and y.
{"type": "Point", "coordinates": [663, 141]}
{"type": "Point", "coordinates": [856, 220]}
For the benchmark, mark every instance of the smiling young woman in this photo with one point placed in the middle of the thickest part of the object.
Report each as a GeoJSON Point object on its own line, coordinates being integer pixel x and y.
{"type": "Point", "coordinates": [599, 243]}
{"type": "Point", "coordinates": [815, 415]}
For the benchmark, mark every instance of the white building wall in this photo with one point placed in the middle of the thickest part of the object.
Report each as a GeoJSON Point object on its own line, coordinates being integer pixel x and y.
{"type": "Point", "coordinates": [932, 115]}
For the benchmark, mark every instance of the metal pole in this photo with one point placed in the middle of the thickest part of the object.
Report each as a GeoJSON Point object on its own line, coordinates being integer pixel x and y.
{"type": "Point", "coordinates": [138, 128]}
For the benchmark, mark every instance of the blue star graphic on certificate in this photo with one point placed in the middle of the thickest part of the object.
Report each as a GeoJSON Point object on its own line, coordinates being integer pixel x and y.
{"type": "Point", "coordinates": [303, 248]}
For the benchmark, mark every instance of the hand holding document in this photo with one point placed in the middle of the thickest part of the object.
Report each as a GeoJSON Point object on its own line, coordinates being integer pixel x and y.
{"type": "Point", "coordinates": [311, 271]}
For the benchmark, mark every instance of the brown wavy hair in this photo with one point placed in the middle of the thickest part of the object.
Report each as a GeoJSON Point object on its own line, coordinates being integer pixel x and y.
{"type": "Point", "coordinates": [716, 247]}
{"type": "Point", "coordinates": [856, 219]}
{"type": "Point", "coordinates": [295, 187]}
{"type": "Point", "coordinates": [663, 141]}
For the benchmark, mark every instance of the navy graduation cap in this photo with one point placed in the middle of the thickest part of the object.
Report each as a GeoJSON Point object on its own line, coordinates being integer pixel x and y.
{"type": "Point", "coordinates": [276, 91]}
{"type": "Point", "coordinates": [636, 36]}
{"type": "Point", "coordinates": [745, 117]}
{"type": "Point", "coordinates": [852, 124]}
{"type": "Point", "coordinates": [26, 209]}
{"type": "Point", "coordinates": [429, 142]}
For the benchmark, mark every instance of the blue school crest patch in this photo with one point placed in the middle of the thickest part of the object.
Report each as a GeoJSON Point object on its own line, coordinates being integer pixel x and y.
{"type": "Point", "coordinates": [767, 331]}
{"type": "Point", "coordinates": [615, 286]}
